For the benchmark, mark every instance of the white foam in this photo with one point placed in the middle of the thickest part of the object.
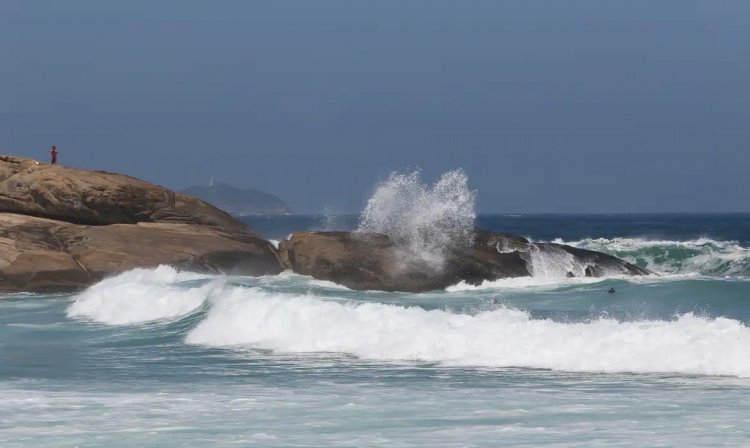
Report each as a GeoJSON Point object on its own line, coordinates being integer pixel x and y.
{"type": "Point", "coordinates": [549, 283]}
{"type": "Point", "coordinates": [250, 317]}
{"type": "Point", "coordinates": [326, 284]}
{"type": "Point", "coordinates": [700, 256]}
{"type": "Point", "coordinates": [520, 283]}
{"type": "Point", "coordinates": [303, 281]}
{"type": "Point", "coordinates": [142, 295]}
{"type": "Point", "coordinates": [550, 267]}
{"type": "Point", "coordinates": [553, 262]}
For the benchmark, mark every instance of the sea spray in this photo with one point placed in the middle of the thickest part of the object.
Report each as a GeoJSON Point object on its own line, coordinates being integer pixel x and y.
{"type": "Point", "coordinates": [425, 220]}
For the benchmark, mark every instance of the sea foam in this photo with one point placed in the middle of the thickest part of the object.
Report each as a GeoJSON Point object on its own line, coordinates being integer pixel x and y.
{"type": "Point", "coordinates": [256, 317]}
{"type": "Point", "coordinates": [702, 256]}
{"type": "Point", "coordinates": [689, 344]}
{"type": "Point", "coordinates": [143, 295]}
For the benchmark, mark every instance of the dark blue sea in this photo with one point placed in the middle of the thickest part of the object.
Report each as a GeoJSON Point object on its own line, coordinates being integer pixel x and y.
{"type": "Point", "coordinates": [157, 357]}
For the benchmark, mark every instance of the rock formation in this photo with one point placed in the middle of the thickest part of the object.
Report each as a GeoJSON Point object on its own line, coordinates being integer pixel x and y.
{"type": "Point", "coordinates": [372, 261]}
{"type": "Point", "coordinates": [63, 228]}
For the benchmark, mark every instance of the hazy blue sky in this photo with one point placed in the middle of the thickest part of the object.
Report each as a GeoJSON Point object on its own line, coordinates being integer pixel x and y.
{"type": "Point", "coordinates": [551, 106]}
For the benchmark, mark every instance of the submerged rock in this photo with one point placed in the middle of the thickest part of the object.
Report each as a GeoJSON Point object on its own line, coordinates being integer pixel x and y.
{"type": "Point", "coordinates": [63, 228]}
{"type": "Point", "coordinates": [373, 261]}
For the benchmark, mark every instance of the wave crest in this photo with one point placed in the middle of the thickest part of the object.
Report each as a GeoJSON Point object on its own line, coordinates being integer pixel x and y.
{"type": "Point", "coordinates": [143, 295]}
{"type": "Point", "coordinates": [285, 322]}
{"type": "Point", "coordinates": [500, 338]}
{"type": "Point", "coordinates": [702, 256]}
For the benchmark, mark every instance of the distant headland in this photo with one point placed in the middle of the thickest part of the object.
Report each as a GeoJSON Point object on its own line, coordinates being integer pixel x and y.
{"type": "Point", "coordinates": [239, 201]}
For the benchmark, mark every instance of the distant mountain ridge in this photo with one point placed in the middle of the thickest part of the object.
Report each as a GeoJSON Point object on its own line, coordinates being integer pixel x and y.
{"type": "Point", "coordinates": [239, 201]}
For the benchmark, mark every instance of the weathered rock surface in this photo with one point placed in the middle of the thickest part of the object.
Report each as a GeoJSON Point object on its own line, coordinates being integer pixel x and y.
{"type": "Point", "coordinates": [63, 228]}
{"type": "Point", "coordinates": [77, 196]}
{"type": "Point", "coordinates": [372, 261]}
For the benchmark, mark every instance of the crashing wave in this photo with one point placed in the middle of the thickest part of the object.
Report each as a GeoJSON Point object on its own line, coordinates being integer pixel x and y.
{"type": "Point", "coordinates": [286, 322]}
{"type": "Point", "coordinates": [250, 317]}
{"type": "Point", "coordinates": [143, 295]}
{"type": "Point", "coordinates": [425, 219]}
{"type": "Point", "coordinates": [702, 256]}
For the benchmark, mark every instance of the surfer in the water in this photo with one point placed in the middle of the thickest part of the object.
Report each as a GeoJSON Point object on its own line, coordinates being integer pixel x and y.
{"type": "Point", "coordinates": [53, 152]}
{"type": "Point", "coordinates": [611, 290]}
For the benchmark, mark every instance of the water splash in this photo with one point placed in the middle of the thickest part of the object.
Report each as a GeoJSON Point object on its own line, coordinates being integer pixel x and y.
{"type": "Point", "coordinates": [553, 262]}
{"type": "Point", "coordinates": [426, 219]}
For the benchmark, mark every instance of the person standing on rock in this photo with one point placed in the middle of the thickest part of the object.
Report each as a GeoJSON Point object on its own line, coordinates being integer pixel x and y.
{"type": "Point", "coordinates": [53, 151]}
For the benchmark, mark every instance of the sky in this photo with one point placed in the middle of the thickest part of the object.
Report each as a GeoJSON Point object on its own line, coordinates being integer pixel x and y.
{"type": "Point", "coordinates": [578, 106]}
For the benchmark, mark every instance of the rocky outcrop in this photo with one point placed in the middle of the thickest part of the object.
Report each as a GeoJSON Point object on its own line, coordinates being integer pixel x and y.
{"type": "Point", "coordinates": [77, 196]}
{"type": "Point", "coordinates": [372, 261]}
{"type": "Point", "coordinates": [63, 228]}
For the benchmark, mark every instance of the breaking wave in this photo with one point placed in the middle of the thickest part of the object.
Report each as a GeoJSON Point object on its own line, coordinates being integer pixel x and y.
{"type": "Point", "coordinates": [526, 283]}
{"type": "Point", "coordinates": [500, 338]}
{"type": "Point", "coordinates": [426, 219]}
{"type": "Point", "coordinates": [143, 295]}
{"type": "Point", "coordinates": [258, 318]}
{"type": "Point", "coordinates": [702, 256]}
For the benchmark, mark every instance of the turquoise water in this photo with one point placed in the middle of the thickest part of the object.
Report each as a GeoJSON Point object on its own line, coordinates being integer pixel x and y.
{"type": "Point", "coordinates": [164, 358]}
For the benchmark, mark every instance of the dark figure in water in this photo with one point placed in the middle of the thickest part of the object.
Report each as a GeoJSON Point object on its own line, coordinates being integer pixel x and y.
{"type": "Point", "coordinates": [53, 151]}
{"type": "Point", "coordinates": [611, 290]}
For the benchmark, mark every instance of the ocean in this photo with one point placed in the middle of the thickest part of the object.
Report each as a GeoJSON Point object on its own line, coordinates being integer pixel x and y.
{"type": "Point", "coordinates": [156, 357]}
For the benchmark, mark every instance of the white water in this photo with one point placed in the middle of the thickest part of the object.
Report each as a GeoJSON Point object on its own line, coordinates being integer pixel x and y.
{"type": "Point", "coordinates": [699, 256]}
{"type": "Point", "coordinates": [290, 323]}
{"type": "Point", "coordinates": [670, 260]}
{"type": "Point", "coordinates": [522, 283]}
{"type": "Point", "coordinates": [425, 219]}
{"type": "Point", "coordinates": [142, 295]}
{"type": "Point", "coordinates": [500, 338]}
{"type": "Point", "coordinates": [553, 262]}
